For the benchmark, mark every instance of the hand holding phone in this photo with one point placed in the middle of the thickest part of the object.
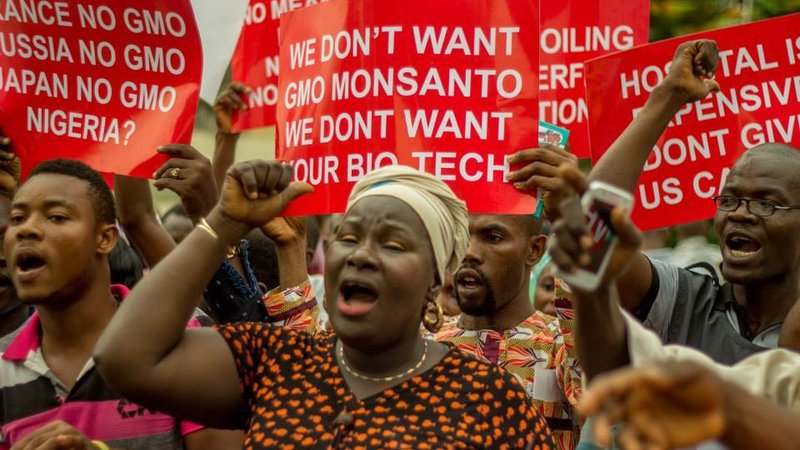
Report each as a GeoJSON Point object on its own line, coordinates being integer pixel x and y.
{"type": "Point", "coordinates": [598, 202]}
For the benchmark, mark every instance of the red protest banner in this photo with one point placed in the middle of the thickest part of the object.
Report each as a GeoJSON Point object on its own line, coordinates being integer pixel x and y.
{"type": "Point", "coordinates": [255, 60]}
{"type": "Point", "coordinates": [759, 102]}
{"type": "Point", "coordinates": [101, 82]}
{"type": "Point", "coordinates": [255, 63]}
{"type": "Point", "coordinates": [574, 31]}
{"type": "Point", "coordinates": [369, 84]}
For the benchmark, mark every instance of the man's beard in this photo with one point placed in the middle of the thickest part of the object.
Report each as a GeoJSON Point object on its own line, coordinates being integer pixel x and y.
{"type": "Point", "coordinates": [485, 307]}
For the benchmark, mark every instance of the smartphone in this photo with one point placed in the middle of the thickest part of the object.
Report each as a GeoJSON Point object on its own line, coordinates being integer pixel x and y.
{"type": "Point", "coordinates": [598, 202]}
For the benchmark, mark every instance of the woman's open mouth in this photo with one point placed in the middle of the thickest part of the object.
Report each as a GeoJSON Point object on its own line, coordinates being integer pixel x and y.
{"type": "Point", "coordinates": [356, 298]}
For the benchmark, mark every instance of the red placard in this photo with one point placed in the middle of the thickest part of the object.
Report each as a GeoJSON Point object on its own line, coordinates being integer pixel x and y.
{"type": "Point", "coordinates": [574, 31]}
{"type": "Point", "coordinates": [759, 102]}
{"type": "Point", "coordinates": [102, 82]}
{"type": "Point", "coordinates": [255, 60]}
{"type": "Point", "coordinates": [370, 84]}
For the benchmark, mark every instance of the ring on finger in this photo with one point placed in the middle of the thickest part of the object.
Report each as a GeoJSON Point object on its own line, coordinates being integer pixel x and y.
{"type": "Point", "coordinates": [174, 173]}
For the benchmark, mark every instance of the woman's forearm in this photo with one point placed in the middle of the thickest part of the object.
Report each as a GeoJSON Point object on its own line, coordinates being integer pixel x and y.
{"type": "Point", "coordinates": [151, 321]}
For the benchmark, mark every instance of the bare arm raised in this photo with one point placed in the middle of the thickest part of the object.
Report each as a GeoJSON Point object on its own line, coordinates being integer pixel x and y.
{"type": "Point", "coordinates": [137, 216]}
{"type": "Point", "coordinates": [232, 99]}
{"type": "Point", "coordinates": [688, 80]}
{"type": "Point", "coordinates": [146, 353]}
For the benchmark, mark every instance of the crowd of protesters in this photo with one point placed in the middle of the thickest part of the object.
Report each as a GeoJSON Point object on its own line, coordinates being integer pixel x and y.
{"type": "Point", "coordinates": [429, 328]}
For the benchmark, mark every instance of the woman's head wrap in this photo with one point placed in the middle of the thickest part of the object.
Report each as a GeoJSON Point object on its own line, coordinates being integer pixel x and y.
{"type": "Point", "coordinates": [443, 214]}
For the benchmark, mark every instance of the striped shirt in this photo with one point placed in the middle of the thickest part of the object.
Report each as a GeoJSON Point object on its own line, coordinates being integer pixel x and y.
{"type": "Point", "coordinates": [31, 396]}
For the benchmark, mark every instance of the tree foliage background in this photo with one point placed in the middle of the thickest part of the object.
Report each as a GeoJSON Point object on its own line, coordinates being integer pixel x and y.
{"type": "Point", "coordinates": [672, 18]}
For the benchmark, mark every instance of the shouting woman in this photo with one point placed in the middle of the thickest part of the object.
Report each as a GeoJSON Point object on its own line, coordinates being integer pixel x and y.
{"type": "Point", "coordinates": [372, 383]}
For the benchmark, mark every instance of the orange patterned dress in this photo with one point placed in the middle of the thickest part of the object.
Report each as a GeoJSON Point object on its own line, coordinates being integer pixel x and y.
{"type": "Point", "coordinates": [296, 398]}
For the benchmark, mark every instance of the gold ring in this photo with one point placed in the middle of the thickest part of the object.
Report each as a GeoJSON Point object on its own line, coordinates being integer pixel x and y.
{"type": "Point", "coordinates": [174, 173]}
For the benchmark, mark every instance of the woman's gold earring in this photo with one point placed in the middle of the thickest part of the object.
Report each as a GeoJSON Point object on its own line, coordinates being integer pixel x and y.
{"type": "Point", "coordinates": [434, 316]}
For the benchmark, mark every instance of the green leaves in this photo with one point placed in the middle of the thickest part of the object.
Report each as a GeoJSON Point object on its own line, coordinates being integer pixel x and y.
{"type": "Point", "coordinates": [671, 18]}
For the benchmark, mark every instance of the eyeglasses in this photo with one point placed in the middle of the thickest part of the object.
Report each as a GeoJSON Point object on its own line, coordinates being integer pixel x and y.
{"type": "Point", "coordinates": [760, 208]}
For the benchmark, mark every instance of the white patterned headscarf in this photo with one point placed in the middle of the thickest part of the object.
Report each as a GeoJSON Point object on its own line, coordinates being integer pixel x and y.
{"type": "Point", "coordinates": [443, 214]}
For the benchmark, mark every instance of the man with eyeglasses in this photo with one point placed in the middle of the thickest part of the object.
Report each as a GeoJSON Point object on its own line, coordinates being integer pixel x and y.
{"type": "Point", "coordinates": [757, 224]}
{"type": "Point", "coordinates": [761, 208]}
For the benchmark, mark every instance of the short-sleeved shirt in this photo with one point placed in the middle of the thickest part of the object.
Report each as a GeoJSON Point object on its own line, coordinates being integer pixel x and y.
{"type": "Point", "coordinates": [31, 396]}
{"type": "Point", "coordinates": [689, 308]}
{"type": "Point", "coordinates": [297, 398]}
{"type": "Point", "coordinates": [537, 354]}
